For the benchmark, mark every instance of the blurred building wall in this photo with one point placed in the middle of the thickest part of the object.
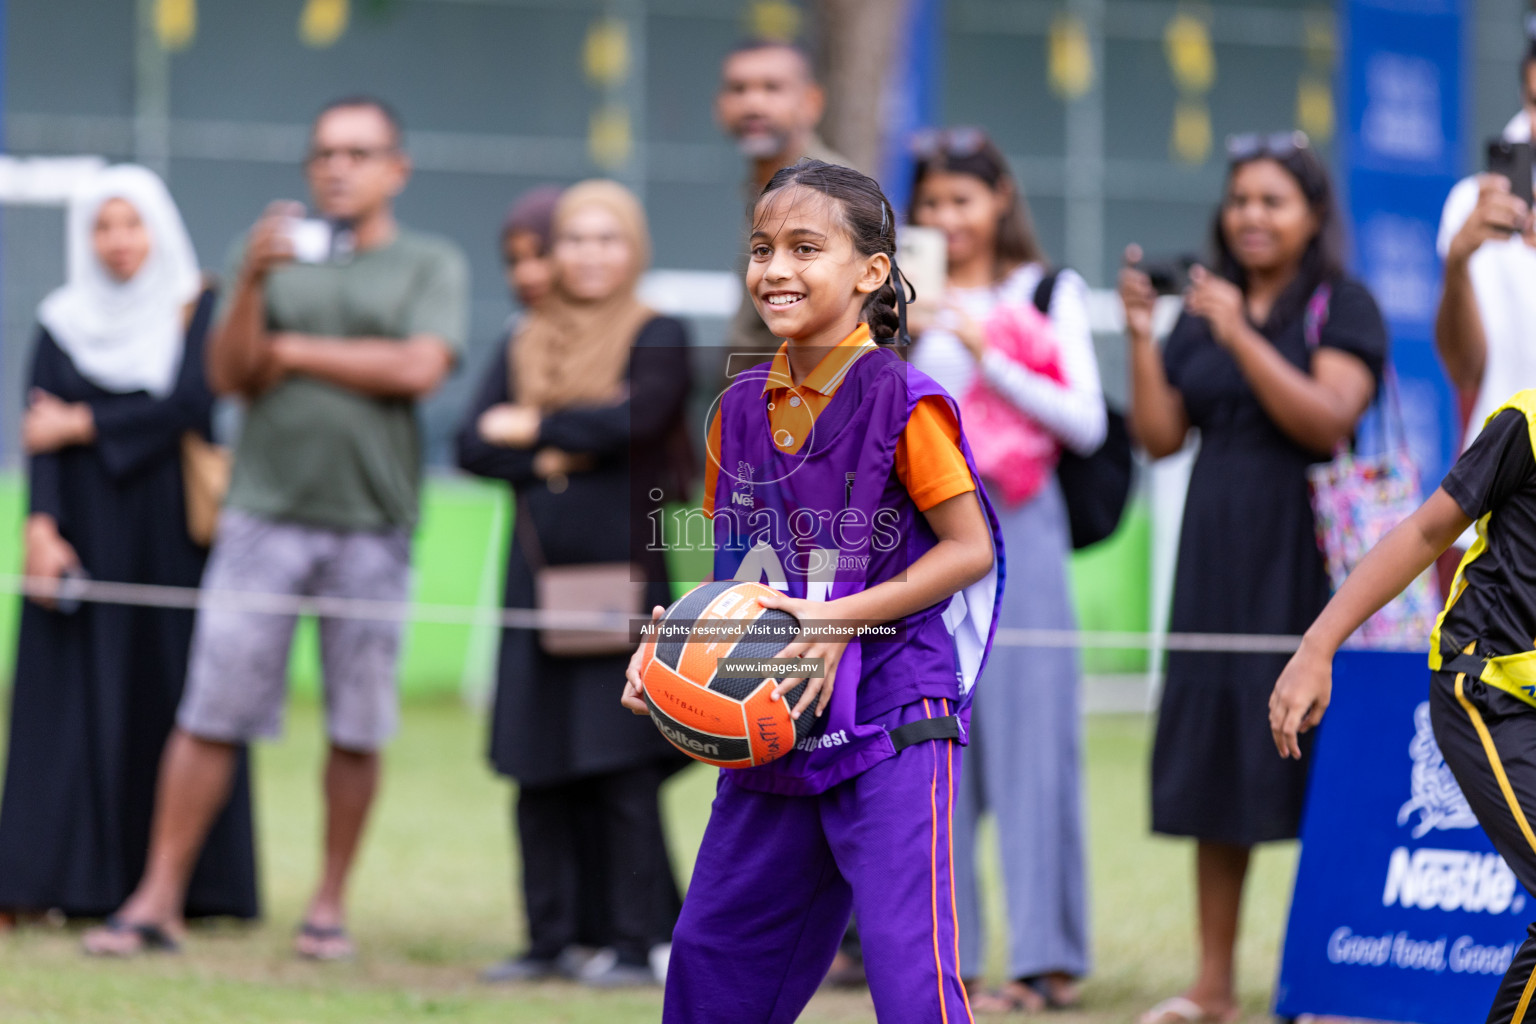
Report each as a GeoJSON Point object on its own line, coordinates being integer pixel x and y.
{"type": "Point", "coordinates": [1113, 110]}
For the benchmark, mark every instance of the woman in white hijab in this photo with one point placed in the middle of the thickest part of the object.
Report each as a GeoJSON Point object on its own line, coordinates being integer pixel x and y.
{"type": "Point", "coordinates": [117, 380]}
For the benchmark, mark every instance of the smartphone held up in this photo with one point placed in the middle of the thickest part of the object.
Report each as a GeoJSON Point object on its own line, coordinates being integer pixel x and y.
{"type": "Point", "coordinates": [319, 241]}
{"type": "Point", "coordinates": [1512, 161]}
{"type": "Point", "coordinates": [922, 254]}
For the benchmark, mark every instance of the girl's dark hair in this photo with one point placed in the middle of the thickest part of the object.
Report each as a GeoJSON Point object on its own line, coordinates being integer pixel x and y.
{"type": "Point", "coordinates": [972, 152]}
{"type": "Point", "coordinates": [870, 223]}
{"type": "Point", "coordinates": [1323, 260]}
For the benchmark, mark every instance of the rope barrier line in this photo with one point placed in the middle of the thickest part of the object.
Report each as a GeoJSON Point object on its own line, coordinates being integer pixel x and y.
{"type": "Point", "coordinates": [146, 595]}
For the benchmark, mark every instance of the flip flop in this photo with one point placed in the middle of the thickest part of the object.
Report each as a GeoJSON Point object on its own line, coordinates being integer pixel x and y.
{"type": "Point", "coordinates": [324, 934]}
{"type": "Point", "coordinates": [1183, 1010]}
{"type": "Point", "coordinates": [1014, 997]}
{"type": "Point", "coordinates": [1053, 1000]}
{"type": "Point", "coordinates": [151, 938]}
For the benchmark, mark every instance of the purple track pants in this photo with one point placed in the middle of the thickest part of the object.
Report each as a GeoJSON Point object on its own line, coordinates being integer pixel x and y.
{"type": "Point", "coordinates": [777, 877]}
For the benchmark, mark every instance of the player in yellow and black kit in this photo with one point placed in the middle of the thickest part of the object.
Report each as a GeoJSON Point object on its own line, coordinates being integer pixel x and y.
{"type": "Point", "coordinates": [1483, 683]}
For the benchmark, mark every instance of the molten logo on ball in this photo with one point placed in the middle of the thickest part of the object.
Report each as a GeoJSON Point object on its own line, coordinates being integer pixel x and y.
{"type": "Point", "coordinates": [728, 722]}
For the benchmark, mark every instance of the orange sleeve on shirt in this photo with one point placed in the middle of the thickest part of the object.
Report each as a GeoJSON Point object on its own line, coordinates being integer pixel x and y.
{"type": "Point", "coordinates": [928, 457]}
{"type": "Point", "coordinates": [711, 465]}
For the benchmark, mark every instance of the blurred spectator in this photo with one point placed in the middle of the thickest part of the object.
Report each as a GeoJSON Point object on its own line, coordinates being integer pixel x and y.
{"type": "Point", "coordinates": [332, 356]}
{"type": "Point", "coordinates": [770, 103]}
{"type": "Point", "coordinates": [530, 270]}
{"type": "Point", "coordinates": [1485, 327]}
{"type": "Point", "coordinates": [117, 379]}
{"type": "Point", "coordinates": [525, 239]}
{"type": "Point", "coordinates": [580, 414]}
{"type": "Point", "coordinates": [1268, 401]}
{"type": "Point", "coordinates": [1026, 761]}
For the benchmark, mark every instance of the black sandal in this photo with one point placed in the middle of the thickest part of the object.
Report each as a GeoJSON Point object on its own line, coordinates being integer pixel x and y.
{"type": "Point", "coordinates": [1041, 983]}
{"type": "Point", "coordinates": [1014, 997]}
{"type": "Point", "coordinates": [151, 939]}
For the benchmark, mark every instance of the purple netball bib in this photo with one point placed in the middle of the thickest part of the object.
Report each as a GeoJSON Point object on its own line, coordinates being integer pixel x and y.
{"type": "Point", "coordinates": [829, 521]}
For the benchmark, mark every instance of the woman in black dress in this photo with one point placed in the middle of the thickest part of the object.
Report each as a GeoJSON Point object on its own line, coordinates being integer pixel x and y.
{"type": "Point", "coordinates": [117, 378]}
{"type": "Point", "coordinates": [582, 415]}
{"type": "Point", "coordinates": [1274, 360]}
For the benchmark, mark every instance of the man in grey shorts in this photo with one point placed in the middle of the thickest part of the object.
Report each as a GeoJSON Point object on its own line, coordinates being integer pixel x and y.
{"type": "Point", "coordinates": [331, 357]}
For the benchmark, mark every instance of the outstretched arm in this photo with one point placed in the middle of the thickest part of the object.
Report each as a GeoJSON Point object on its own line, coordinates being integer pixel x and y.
{"type": "Point", "coordinates": [1301, 695]}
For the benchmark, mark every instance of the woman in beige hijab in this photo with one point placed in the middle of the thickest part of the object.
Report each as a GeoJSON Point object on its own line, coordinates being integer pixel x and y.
{"type": "Point", "coordinates": [583, 415]}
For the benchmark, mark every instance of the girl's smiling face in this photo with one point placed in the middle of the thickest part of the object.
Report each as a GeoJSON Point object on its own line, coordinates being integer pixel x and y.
{"type": "Point", "coordinates": [805, 276]}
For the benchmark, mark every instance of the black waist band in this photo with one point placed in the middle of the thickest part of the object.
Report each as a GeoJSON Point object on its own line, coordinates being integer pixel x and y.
{"type": "Point", "coordinates": [944, 728]}
{"type": "Point", "coordinates": [1471, 664]}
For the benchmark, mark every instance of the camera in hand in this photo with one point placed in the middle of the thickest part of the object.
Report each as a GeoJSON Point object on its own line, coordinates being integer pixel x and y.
{"type": "Point", "coordinates": [1169, 276]}
{"type": "Point", "coordinates": [1512, 160]}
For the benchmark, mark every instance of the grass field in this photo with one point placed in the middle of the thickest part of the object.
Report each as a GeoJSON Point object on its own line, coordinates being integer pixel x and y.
{"type": "Point", "coordinates": [434, 902]}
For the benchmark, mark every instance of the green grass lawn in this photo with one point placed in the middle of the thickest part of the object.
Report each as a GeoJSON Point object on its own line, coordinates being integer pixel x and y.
{"type": "Point", "coordinates": [434, 902]}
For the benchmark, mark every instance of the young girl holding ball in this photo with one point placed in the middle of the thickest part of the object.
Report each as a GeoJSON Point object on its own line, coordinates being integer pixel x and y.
{"type": "Point", "coordinates": [839, 475]}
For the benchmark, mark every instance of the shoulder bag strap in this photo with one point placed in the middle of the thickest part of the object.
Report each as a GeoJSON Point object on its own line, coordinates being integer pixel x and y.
{"type": "Point", "coordinates": [528, 540]}
{"type": "Point", "coordinates": [1045, 291]}
{"type": "Point", "coordinates": [1312, 322]}
{"type": "Point", "coordinates": [1316, 315]}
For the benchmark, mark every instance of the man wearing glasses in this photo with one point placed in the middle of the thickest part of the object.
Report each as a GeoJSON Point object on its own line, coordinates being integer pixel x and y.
{"type": "Point", "coordinates": [333, 329]}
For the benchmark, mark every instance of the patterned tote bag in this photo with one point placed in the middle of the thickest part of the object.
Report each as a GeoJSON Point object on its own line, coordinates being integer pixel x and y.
{"type": "Point", "coordinates": [1357, 499]}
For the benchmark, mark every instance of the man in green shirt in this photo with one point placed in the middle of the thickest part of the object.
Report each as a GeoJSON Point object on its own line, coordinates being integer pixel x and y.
{"type": "Point", "coordinates": [331, 355]}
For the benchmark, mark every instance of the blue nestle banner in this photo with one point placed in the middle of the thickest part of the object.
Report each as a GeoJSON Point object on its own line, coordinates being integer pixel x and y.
{"type": "Point", "coordinates": [1402, 910]}
{"type": "Point", "coordinates": [1402, 81]}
